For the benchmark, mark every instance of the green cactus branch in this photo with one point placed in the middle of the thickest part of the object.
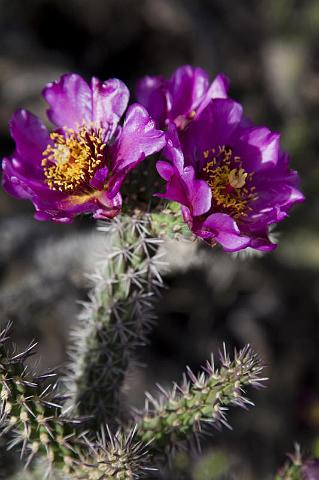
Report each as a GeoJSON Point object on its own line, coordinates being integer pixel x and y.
{"type": "Point", "coordinates": [116, 320]}
{"type": "Point", "coordinates": [119, 314]}
{"type": "Point", "coordinates": [29, 409]}
{"type": "Point", "coordinates": [33, 416]}
{"type": "Point", "coordinates": [199, 403]}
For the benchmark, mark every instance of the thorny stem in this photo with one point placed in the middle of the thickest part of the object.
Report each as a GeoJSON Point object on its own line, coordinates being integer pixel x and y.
{"type": "Point", "coordinates": [116, 320]}
{"type": "Point", "coordinates": [120, 313]}
{"type": "Point", "coordinates": [30, 409]}
{"type": "Point", "coordinates": [201, 401]}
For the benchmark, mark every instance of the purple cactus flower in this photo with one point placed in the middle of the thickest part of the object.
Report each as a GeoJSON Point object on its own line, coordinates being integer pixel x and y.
{"type": "Point", "coordinates": [181, 98]}
{"type": "Point", "coordinates": [231, 178]}
{"type": "Point", "coordinates": [310, 470]}
{"type": "Point", "coordinates": [81, 165]}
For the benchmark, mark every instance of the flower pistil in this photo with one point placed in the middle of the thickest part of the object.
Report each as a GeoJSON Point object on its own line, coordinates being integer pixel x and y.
{"type": "Point", "coordinates": [229, 182]}
{"type": "Point", "coordinates": [72, 160]}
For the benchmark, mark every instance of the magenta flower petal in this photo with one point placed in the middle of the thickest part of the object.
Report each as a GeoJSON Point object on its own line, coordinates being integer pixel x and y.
{"type": "Point", "coordinates": [172, 150]}
{"type": "Point", "coordinates": [280, 188]}
{"type": "Point", "coordinates": [216, 126]}
{"type": "Point", "coordinates": [186, 86]}
{"type": "Point", "coordinates": [218, 89]}
{"type": "Point", "coordinates": [262, 242]}
{"type": "Point", "coordinates": [165, 169]}
{"type": "Point", "coordinates": [48, 204]}
{"type": "Point", "coordinates": [21, 185]}
{"type": "Point", "coordinates": [109, 102]}
{"type": "Point", "coordinates": [146, 86]}
{"type": "Point", "coordinates": [13, 182]}
{"type": "Point", "coordinates": [260, 146]}
{"type": "Point", "coordinates": [225, 231]}
{"type": "Point", "coordinates": [65, 208]}
{"type": "Point", "coordinates": [181, 98]}
{"type": "Point", "coordinates": [198, 192]}
{"type": "Point", "coordinates": [175, 188]}
{"type": "Point", "coordinates": [138, 139]}
{"type": "Point", "coordinates": [108, 207]}
{"type": "Point", "coordinates": [185, 189]}
{"type": "Point", "coordinates": [226, 116]}
{"type": "Point", "coordinates": [151, 92]}
{"type": "Point", "coordinates": [75, 205]}
{"type": "Point", "coordinates": [32, 138]}
{"type": "Point", "coordinates": [70, 101]}
{"type": "Point", "coordinates": [99, 179]}
{"type": "Point", "coordinates": [56, 218]}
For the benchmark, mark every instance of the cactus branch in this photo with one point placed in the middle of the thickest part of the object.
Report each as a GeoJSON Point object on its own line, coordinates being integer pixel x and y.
{"type": "Point", "coordinates": [117, 318]}
{"type": "Point", "coordinates": [31, 411]}
{"type": "Point", "coordinates": [200, 402]}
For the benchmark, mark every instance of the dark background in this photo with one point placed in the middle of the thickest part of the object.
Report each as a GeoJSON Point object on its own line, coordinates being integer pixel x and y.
{"type": "Point", "coordinates": [270, 50]}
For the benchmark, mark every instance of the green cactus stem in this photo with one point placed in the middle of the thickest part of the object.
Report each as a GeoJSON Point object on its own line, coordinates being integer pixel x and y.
{"type": "Point", "coordinates": [117, 318]}
{"type": "Point", "coordinates": [200, 402]}
{"type": "Point", "coordinates": [31, 411]}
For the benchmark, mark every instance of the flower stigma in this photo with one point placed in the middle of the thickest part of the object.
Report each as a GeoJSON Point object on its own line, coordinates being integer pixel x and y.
{"type": "Point", "coordinates": [229, 182]}
{"type": "Point", "coordinates": [70, 162]}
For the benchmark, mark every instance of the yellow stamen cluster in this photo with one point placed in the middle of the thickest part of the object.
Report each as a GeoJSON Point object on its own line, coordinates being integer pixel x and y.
{"type": "Point", "coordinates": [228, 181]}
{"type": "Point", "coordinates": [73, 159]}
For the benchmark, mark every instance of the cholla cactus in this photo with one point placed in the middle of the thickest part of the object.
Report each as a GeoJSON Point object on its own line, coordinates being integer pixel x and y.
{"type": "Point", "coordinates": [214, 168]}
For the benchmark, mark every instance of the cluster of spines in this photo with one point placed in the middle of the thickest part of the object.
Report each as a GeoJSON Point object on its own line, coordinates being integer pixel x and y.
{"type": "Point", "coordinates": [117, 456]}
{"type": "Point", "coordinates": [184, 413]}
{"type": "Point", "coordinates": [117, 318]}
{"type": "Point", "coordinates": [30, 411]}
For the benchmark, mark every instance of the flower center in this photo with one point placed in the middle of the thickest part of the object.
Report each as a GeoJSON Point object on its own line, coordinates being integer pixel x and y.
{"type": "Point", "coordinates": [70, 163]}
{"type": "Point", "coordinates": [229, 182]}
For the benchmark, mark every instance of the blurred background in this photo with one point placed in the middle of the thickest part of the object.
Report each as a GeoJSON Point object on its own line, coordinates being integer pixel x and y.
{"type": "Point", "coordinates": [270, 50]}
